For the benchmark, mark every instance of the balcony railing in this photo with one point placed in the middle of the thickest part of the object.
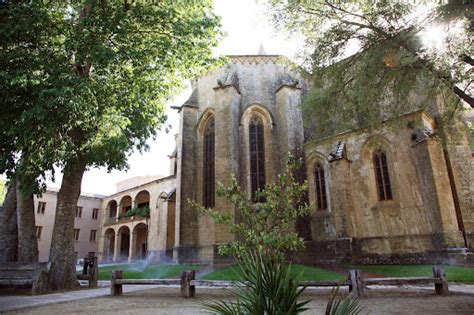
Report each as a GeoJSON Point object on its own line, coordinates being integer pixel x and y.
{"type": "Point", "coordinates": [115, 220]}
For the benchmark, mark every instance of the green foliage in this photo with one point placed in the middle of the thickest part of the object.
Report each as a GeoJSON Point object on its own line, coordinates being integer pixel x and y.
{"type": "Point", "coordinates": [144, 212]}
{"type": "Point", "coordinates": [264, 235]}
{"type": "Point", "coordinates": [3, 191]}
{"type": "Point", "coordinates": [264, 227]}
{"type": "Point", "coordinates": [267, 288]}
{"type": "Point", "coordinates": [342, 306]}
{"type": "Point", "coordinates": [371, 60]}
{"type": "Point", "coordinates": [89, 79]}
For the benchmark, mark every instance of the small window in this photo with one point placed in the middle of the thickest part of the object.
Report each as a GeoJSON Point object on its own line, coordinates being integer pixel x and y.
{"type": "Point", "coordinates": [41, 207]}
{"type": "Point", "coordinates": [382, 176]}
{"type": "Point", "coordinates": [78, 212]}
{"type": "Point", "coordinates": [93, 235]}
{"type": "Point", "coordinates": [321, 199]}
{"type": "Point", "coordinates": [76, 234]}
{"type": "Point", "coordinates": [39, 229]}
{"type": "Point", "coordinates": [95, 213]}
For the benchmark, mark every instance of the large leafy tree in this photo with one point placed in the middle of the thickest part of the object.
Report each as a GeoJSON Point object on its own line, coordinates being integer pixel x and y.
{"type": "Point", "coordinates": [370, 59]}
{"type": "Point", "coordinates": [85, 82]}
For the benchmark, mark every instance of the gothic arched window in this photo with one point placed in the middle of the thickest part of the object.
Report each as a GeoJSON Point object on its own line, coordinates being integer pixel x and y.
{"type": "Point", "coordinates": [209, 166]}
{"type": "Point", "coordinates": [382, 176]}
{"type": "Point", "coordinates": [257, 157]}
{"type": "Point", "coordinates": [321, 199]}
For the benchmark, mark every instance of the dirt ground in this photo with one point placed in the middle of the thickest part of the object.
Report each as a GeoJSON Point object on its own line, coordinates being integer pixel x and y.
{"type": "Point", "coordinates": [168, 301]}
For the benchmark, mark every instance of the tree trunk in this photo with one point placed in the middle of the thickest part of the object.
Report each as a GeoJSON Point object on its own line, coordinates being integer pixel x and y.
{"type": "Point", "coordinates": [63, 265]}
{"type": "Point", "coordinates": [8, 226]}
{"type": "Point", "coordinates": [27, 240]}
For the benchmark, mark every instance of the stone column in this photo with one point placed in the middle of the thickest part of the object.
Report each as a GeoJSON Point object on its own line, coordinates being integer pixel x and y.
{"type": "Point", "coordinates": [102, 249]}
{"type": "Point", "coordinates": [340, 196]}
{"type": "Point", "coordinates": [291, 133]}
{"type": "Point", "coordinates": [118, 239]}
{"type": "Point", "coordinates": [131, 250]}
{"type": "Point", "coordinates": [227, 103]}
{"type": "Point", "coordinates": [436, 192]}
{"type": "Point", "coordinates": [154, 228]}
{"type": "Point", "coordinates": [162, 228]}
{"type": "Point", "coordinates": [186, 227]}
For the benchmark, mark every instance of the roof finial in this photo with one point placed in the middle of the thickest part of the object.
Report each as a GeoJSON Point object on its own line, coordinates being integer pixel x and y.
{"type": "Point", "coordinates": [261, 50]}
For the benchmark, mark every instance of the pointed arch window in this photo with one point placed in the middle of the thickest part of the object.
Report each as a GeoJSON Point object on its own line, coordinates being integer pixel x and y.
{"type": "Point", "coordinates": [321, 199]}
{"type": "Point", "coordinates": [382, 175]}
{"type": "Point", "coordinates": [257, 157]}
{"type": "Point", "coordinates": [209, 165]}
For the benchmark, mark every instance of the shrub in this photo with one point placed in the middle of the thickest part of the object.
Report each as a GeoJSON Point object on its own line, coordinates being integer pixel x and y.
{"type": "Point", "coordinates": [264, 235]}
{"type": "Point", "coordinates": [267, 288]}
{"type": "Point", "coordinates": [265, 227]}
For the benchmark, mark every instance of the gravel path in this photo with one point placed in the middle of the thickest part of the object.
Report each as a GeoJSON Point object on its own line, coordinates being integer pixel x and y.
{"type": "Point", "coordinates": [382, 300]}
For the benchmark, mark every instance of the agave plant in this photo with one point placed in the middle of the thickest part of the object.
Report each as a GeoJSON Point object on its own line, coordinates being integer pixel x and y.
{"type": "Point", "coordinates": [267, 288]}
{"type": "Point", "coordinates": [338, 305]}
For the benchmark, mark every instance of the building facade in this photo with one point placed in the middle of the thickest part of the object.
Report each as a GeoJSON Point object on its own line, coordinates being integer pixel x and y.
{"type": "Point", "coordinates": [384, 194]}
{"type": "Point", "coordinates": [86, 224]}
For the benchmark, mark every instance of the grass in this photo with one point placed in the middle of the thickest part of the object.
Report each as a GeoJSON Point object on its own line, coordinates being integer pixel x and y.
{"type": "Point", "coordinates": [454, 273]}
{"type": "Point", "coordinates": [136, 271]}
{"type": "Point", "coordinates": [306, 273]}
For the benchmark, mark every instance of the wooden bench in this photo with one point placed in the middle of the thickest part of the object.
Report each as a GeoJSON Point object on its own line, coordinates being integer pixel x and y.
{"type": "Point", "coordinates": [25, 276]}
{"type": "Point", "coordinates": [354, 281]}
{"type": "Point", "coordinates": [439, 280]}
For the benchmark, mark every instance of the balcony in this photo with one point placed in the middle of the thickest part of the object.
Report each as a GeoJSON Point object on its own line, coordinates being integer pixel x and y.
{"type": "Point", "coordinates": [115, 220]}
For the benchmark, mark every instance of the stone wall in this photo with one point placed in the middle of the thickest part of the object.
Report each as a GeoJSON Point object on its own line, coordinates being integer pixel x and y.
{"type": "Point", "coordinates": [85, 224]}
{"type": "Point", "coordinates": [249, 86]}
{"type": "Point", "coordinates": [420, 218]}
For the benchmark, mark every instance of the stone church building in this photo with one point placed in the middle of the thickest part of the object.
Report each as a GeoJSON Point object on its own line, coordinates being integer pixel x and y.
{"type": "Point", "coordinates": [378, 196]}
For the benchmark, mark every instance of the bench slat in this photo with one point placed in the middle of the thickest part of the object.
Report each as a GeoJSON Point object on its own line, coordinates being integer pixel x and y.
{"type": "Point", "coordinates": [400, 281]}
{"type": "Point", "coordinates": [16, 282]}
{"type": "Point", "coordinates": [214, 283]}
{"type": "Point", "coordinates": [149, 281]}
{"type": "Point", "coordinates": [323, 283]}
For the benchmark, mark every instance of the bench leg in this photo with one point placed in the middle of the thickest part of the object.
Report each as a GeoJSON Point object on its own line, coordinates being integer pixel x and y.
{"type": "Point", "coordinates": [116, 289]}
{"type": "Point", "coordinates": [188, 290]}
{"type": "Point", "coordinates": [439, 274]}
{"type": "Point", "coordinates": [356, 287]}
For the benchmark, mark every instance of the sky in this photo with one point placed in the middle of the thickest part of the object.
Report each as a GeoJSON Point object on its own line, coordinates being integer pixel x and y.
{"type": "Point", "coordinates": [247, 28]}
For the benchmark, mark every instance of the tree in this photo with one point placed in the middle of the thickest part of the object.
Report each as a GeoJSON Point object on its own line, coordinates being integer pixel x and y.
{"type": "Point", "coordinates": [267, 227]}
{"type": "Point", "coordinates": [264, 236]}
{"type": "Point", "coordinates": [9, 230]}
{"type": "Point", "coordinates": [365, 53]}
{"type": "Point", "coordinates": [85, 82]}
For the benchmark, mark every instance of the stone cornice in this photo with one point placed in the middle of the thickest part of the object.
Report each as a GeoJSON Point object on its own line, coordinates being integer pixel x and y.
{"type": "Point", "coordinates": [185, 105]}
{"type": "Point", "coordinates": [224, 86]}
{"type": "Point", "coordinates": [288, 86]}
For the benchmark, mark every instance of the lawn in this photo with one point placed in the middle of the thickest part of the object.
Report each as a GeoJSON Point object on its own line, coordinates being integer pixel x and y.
{"type": "Point", "coordinates": [306, 272]}
{"type": "Point", "coordinates": [138, 271]}
{"type": "Point", "coordinates": [454, 273]}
